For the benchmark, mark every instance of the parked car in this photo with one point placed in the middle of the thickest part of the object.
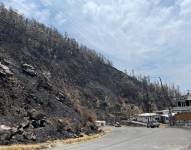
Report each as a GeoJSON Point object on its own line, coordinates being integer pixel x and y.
{"type": "Point", "coordinates": [153, 124]}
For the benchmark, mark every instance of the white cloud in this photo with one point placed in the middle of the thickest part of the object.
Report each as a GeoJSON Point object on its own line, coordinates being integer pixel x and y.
{"type": "Point", "coordinates": [29, 9]}
{"type": "Point", "coordinates": [47, 2]}
{"type": "Point", "coordinates": [149, 36]}
{"type": "Point", "coordinates": [145, 33]}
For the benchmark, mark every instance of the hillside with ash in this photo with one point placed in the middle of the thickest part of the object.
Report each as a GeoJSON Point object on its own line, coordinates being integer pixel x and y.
{"type": "Point", "coordinates": [51, 87]}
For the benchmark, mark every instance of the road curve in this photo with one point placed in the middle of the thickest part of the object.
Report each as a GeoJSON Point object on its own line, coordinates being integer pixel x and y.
{"type": "Point", "coordinates": [128, 138]}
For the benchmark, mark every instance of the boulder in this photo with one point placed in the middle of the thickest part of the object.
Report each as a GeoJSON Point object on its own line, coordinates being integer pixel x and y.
{"type": "Point", "coordinates": [35, 124]}
{"type": "Point", "coordinates": [29, 69]}
{"type": "Point", "coordinates": [29, 136]}
{"type": "Point", "coordinates": [5, 134]}
{"type": "Point", "coordinates": [25, 124]}
{"type": "Point", "coordinates": [45, 84]}
{"type": "Point", "coordinates": [19, 130]}
{"type": "Point", "coordinates": [63, 99]}
{"type": "Point", "coordinates": [36, 115]}
{"type": "Point", "coordinates": [4, 128]}
{"type": "Point", "coordinates": [42, 123]}
{"type": "Point", "coordinates": [18, 138]}
{"type": "Point", "coordinates": [5, 71]}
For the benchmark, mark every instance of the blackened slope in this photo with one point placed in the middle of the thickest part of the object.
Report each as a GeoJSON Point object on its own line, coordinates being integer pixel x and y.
{"type": "Point", "coordinates": [56, 76]}
{"type": "Point", "coordinates": [34, 87]}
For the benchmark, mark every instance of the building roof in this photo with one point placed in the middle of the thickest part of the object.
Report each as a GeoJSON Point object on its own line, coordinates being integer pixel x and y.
{"type": "Point", "coordinates": [162, 111]}
{"type": "Point", "coordinates": [167, 115]}
{"type": "Point", "coordinates": [184, 97]}
{"type": "Point", "coordinates": [147, 114]}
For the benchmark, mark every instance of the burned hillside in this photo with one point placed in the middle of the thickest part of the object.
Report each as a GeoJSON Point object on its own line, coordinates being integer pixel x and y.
{"type": "Point", "coordinates": [52, 87]}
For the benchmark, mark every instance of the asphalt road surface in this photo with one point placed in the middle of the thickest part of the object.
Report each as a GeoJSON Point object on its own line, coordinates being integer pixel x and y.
{"type": "Point", "coordinates": [129, 138]}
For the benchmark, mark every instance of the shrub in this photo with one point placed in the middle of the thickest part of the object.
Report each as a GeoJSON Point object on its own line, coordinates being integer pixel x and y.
{"type": "Point", "coordinates": [85, 113]}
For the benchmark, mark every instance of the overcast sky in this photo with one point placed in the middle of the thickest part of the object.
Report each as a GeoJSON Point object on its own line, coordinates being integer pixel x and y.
{"type": "Point", "coordinates": [153, 37]}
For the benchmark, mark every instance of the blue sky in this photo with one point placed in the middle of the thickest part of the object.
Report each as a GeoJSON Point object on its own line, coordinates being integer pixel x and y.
{"type": "Point", "coordinates": [153, 37]}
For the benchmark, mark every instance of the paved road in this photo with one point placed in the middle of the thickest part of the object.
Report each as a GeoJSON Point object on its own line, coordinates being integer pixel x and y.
{"type": "Point", "coordinates": [137, 139]}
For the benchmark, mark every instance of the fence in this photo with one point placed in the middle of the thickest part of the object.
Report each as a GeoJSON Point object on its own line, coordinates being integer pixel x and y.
{"type": "Point", "coordinates": [183, 119]}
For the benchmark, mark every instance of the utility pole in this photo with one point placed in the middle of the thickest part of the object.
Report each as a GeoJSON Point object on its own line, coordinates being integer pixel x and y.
{"type": "Point", "coordinates": [189, 91]}
{"type": "Point", "coordinates": [148, 102]}
{"type": "Point", "coordinates": [169, 104]}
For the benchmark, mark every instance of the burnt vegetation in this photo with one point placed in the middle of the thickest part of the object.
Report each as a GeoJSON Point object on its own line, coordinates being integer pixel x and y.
{"type": "Point", "coordinates": [51, 87]}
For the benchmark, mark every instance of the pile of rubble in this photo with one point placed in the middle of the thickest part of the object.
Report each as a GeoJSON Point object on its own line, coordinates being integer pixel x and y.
{"type": "Point", "coordinates": [23, 132]}
{"type": "Point", "coordinates": [36, 128]}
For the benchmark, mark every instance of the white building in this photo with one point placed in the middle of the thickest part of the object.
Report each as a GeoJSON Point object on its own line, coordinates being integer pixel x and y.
{"type": "Point", "coordinates": [164, 116]}
{"type": "Point", "coordinates": [161, 116]}
{"type": "Point", "coordinates": [183, 104]}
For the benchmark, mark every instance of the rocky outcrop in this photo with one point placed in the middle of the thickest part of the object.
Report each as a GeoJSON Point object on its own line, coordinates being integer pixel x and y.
{"type": "Point", "coordinates": [36, 115]}
{"type": "Point", "coordinates": [6, 134]}
{"type": "Point", "coordinates": [29, 70]}
{"type": "Point", "coordinates": [5, 71]}
{"type": "Point", "coordinates": [36, 129]}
